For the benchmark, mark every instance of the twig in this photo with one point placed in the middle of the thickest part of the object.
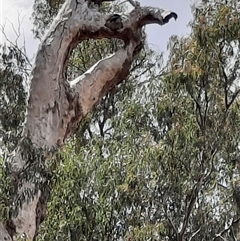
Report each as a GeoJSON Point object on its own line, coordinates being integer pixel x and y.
{"type": "Point", "coordinates": [195, 233]}
{"type": "Point", "coordinates": [190, 206]}
{"type": "Point", "coordinates": [133, 3]}
{"type": "Point", "coordinates": [16, 46]}
{"type": "Point", "coordinates": [226, 230]}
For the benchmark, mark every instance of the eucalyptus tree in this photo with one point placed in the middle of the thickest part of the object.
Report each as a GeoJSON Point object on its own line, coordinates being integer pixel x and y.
{"type": "Point", "coordinates": [56, 104]}
{"type": "Point", "coordinates": [167, 165]}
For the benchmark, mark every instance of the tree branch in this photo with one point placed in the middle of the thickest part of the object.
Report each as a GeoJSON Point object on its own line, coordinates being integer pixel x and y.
{"type": "Point", "coordinates": [233, 223]}
{"type": "Point", "coordinates": [75, 23]}
{"type": "Point", "coordinates": [190, 206]}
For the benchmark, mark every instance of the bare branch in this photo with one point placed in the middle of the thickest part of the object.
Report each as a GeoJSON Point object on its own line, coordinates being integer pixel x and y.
{"type": "Point", "coordinates": [75, 23]}
{"type": "Point", "coordinates": [190, 206]}
{"type": "Point", "coordinates": [134, 3]}
{"type": "Point", "coordinates": [195, 233]}
{"type": "Point", "coordinates": [233, 223]}
{"type": "Point", "coordinates": [23, 53]}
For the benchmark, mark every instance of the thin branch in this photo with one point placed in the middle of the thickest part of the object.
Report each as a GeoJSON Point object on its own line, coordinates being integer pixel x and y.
{"type": "Point", "coordinates": [172, 224]}
{"type": "Point", "coordinates": [226, 230]}
{"type": "Point", "coordinates": [235, 95]}
{"type": "Point", "coordinates": [134, 3]}
{"type": "Point", "coordinates": [191, 204]}
{"type": "Point", "coordinates": [195, 233]}
{"type": "Point", "coordinates": [24, 54]}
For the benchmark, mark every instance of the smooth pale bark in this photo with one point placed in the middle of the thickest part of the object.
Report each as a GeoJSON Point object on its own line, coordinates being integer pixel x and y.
{"type": "Point", "coordinates": [56, 106]}
{"type": "Point", "coordinates": [4, 236]}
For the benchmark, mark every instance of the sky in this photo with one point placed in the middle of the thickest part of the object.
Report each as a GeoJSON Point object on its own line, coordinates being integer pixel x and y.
{"type": "Point", "coordinates": [13, 12]}
{"type": "Point", "coordinates": [158, 36]}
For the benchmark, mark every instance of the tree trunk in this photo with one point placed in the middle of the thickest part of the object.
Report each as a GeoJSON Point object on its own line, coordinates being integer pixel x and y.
{"type": "Point", "coordinates": [56, 107]}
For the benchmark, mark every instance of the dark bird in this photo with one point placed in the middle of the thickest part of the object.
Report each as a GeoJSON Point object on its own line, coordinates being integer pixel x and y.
{"type": "Point", "coordinates": [169, 16]}
{"type": "Point", "coordinates": [114, 22]}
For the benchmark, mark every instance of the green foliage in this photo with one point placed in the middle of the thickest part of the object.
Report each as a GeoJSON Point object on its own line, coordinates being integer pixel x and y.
{"type": "Point", "coordinates": [6, 192]}
{"type": "Point", "coordinates": [13, 73]}
{"type": "Point", "coordinates": [14, 67]}
{"type": "Point", "coordinates": [43, 13]}
{"type": "Point", "coordinates": [158, 158]}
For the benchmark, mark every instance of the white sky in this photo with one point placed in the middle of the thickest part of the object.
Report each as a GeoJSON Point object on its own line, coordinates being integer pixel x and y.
{"type": "Point", "coordinates": [14, 11]}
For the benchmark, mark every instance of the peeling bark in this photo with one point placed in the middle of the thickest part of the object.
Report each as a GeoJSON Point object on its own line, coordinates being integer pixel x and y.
{"type": "Point", "coordinates": [56, 106]}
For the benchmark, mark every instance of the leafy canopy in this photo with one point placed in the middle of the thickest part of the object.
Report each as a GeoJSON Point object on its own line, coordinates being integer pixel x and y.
{"type": "Point", "coordinates": [158, 158]}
